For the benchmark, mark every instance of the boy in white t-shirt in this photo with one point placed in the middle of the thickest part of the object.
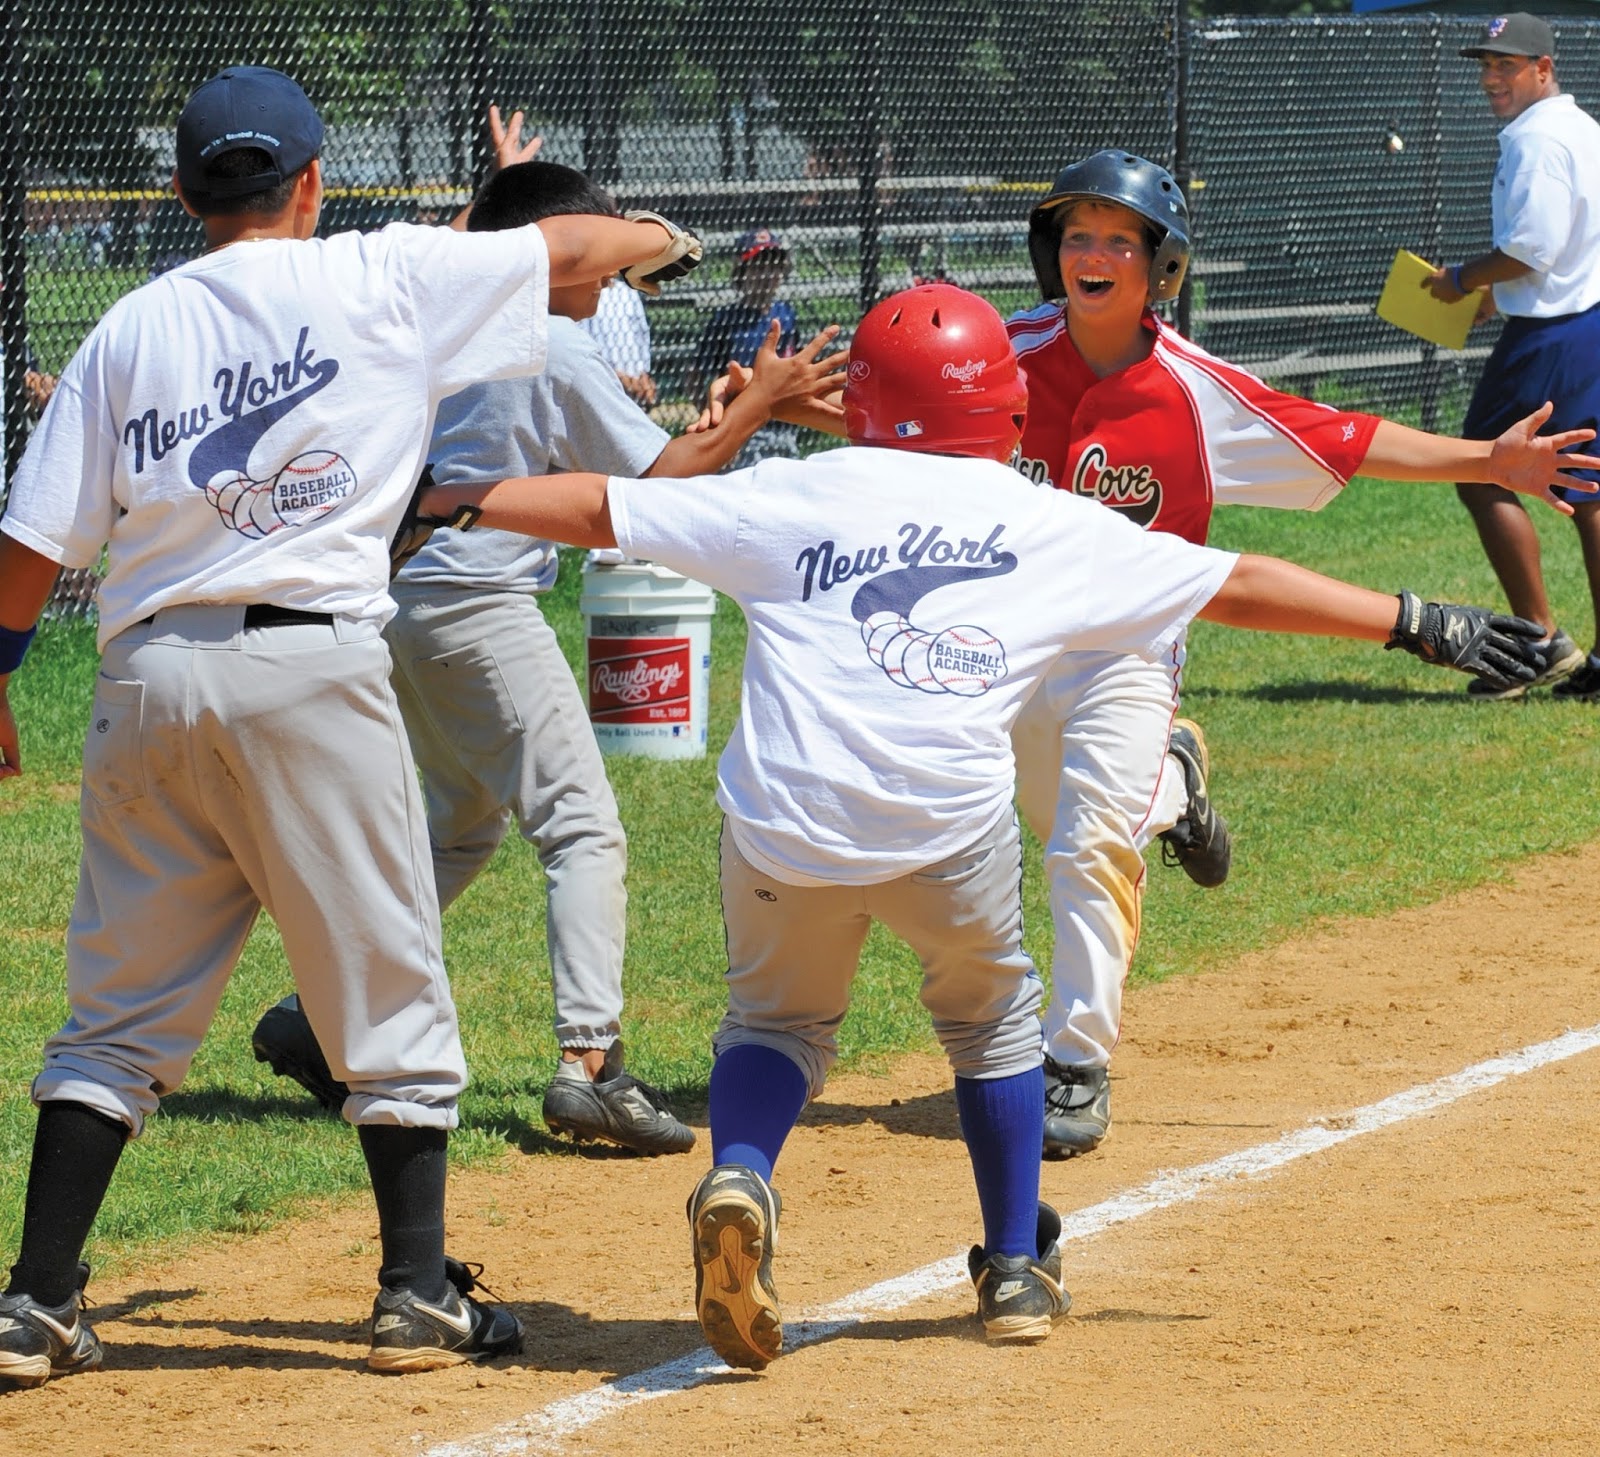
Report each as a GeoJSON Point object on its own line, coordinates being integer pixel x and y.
{"type": "Point", "coordinates": [903, 600]}
{"type": "Point", "coordinates": [496, 722]}
{"type": "Point", "coordinates": [245, 749]}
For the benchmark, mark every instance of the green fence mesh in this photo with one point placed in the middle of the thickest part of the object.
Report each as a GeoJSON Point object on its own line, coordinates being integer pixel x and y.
{"type": "Point", "coordinates": [883, 143]}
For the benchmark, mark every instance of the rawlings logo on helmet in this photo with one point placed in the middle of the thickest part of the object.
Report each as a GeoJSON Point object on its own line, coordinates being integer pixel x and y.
{"type": "Point", "coordinates": [932, 369]}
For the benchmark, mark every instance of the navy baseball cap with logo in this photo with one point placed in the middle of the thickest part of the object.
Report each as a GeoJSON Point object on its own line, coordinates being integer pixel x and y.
{"type": "Point", "coordinates": [756, 242]}
{"type": "Point", "coordinates": [1518, 34]}
{"type": "Point", "coordinates": [246, 106]}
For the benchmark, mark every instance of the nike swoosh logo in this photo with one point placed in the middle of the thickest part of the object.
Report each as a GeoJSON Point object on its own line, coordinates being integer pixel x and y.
{"type": "Point", "coordinates": [1009, 1291]}
{"type": "Point", "coordinates": [65, 1334]}
{"type": "Point", "coordinates": [461, 1323]}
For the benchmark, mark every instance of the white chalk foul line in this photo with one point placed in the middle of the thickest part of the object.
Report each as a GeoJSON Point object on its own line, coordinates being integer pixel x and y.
{"type": "Point", "coordinates": [546, 1429]}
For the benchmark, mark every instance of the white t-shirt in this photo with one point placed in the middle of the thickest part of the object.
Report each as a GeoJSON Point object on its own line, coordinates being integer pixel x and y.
{"type": "Point", "coordinates": [249, 427]}
{"type": "Point", "coordinates": [901, 608]}
{"type": "Point", "coordinates": [1546, 209]}
{"type": "Point", "coordinates": [621, 329]}
{"type": "Point", "coordinates": [574, 416]}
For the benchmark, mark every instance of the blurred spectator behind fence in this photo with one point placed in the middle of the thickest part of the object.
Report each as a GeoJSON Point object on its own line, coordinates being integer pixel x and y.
{"type": "Point", "coordinates": [735, 332]}
{"type": "Point", "coordinates": [39, 387]}
{"type": "Point", "coordinates": [621, 331]}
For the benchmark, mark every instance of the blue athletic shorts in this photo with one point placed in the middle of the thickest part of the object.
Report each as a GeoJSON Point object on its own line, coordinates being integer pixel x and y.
{"type": "Point", "coordinates": [1537, 360]}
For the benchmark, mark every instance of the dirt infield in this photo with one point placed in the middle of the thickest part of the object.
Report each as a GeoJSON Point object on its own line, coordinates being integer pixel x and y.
{"type": "Point", "coordinates": [1426, 1288]}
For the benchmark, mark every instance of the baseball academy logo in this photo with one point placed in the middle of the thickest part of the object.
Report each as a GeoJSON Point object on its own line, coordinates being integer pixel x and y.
{"type": "Point", "coordinates": [249, 401]}
{"type": "Point", "coordinates": [964, 659]}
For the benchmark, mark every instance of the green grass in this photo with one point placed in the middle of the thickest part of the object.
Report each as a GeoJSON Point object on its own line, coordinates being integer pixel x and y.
{"type": "Point", "coordinates": [1356, 782]}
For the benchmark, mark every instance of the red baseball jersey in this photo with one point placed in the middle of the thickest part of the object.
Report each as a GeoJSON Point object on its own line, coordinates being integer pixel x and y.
{"type": "Point", "coordinates": [1166, 439]}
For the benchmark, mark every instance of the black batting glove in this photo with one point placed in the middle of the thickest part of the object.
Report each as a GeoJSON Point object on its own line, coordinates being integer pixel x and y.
{"type": "Point", "coordinates": [1501, 650]}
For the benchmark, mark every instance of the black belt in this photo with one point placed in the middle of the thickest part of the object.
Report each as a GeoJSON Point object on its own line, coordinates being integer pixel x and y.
{"type": "Point", "coordinates": [264, 614]}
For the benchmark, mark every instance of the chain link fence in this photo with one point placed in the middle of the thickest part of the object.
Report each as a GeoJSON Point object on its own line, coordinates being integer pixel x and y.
{"type": "Point", "coordinates": [879, 144]}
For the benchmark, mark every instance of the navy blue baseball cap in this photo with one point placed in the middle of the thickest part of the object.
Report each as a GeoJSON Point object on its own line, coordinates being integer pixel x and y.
{"type": "Point", "coordinates": [246, 106]}
{"type": "Point", "coordinates": [756, 242]}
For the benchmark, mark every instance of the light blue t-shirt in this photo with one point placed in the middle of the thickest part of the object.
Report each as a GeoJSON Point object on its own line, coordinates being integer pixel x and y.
{"type": "Point", "coordinates": [574, 416]}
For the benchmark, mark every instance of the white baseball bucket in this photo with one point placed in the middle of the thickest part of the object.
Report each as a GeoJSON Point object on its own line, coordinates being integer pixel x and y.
{"type": "Point", "coordinates": [648, 659]}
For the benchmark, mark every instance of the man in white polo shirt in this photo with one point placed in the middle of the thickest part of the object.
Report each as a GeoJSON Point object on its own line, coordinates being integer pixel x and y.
{"type": "Point", "coordinates": [1543, 275]}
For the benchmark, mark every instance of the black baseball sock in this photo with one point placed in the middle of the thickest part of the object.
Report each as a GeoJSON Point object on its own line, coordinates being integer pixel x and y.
{"type": "Point", "coordinates": [75, 1152]}
{"type": "Point", "coordinates": [408, 1167]}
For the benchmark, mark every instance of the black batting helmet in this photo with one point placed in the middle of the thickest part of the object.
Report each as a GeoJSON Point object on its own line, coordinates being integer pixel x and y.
{"type": "Point", "coordinates": [1134, 183]}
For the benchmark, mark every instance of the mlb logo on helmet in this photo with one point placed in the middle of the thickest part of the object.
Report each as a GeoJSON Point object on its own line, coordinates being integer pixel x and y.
{"type": "Point", "coordinates": [906, 429]}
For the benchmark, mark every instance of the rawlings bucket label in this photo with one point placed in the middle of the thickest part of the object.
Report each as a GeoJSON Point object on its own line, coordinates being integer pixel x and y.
{"type": "Point", "coordinates": [639, 680]}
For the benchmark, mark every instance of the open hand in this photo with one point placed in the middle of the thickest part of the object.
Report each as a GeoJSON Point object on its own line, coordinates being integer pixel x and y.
{"type": "Point", "coordinates": [509, 148]}
{"type": "Point", "coordinates": [797, 381]}
{"type": "Point", "coordinates": [1526, 461]}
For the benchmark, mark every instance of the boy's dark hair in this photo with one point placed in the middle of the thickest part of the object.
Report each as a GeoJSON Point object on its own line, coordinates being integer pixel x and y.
{"type": "Point", "coordinates": [528, 191]}
{"type": "Point", "coordinates": [244, 162]}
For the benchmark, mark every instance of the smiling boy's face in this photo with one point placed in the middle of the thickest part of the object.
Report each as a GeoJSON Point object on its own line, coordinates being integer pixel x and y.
{"type": "Point", "coordinates": [1105, 260]}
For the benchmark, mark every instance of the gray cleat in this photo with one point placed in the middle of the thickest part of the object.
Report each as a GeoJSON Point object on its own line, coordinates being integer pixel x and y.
{"type": "Point", "coordinates": [1199, 842]}
{"type": "Point", "coordinates": [1077, 1109]}
{"type": "Point", "coordinates": [615, 1107]}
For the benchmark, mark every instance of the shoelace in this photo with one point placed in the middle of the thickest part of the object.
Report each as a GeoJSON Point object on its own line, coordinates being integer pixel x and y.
{"type": "Point", "coordinates": [466, 1276]}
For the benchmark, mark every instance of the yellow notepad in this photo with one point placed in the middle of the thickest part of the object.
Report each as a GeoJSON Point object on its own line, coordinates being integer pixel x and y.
{"type": "Point", "coordinates": [1409, 306]}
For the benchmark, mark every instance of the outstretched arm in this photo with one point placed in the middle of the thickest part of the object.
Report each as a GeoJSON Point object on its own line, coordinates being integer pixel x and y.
{"type": "Point", "coordinates": [773, 387]}
{"type": "Point", "coordinates": [571, 508]}
{"type": "Point", "coordinates": [1520, 460]}
{"type": "Point", "coordinates": [1272, 595]}
{"type": "Point", "coordinates": [583, 248]}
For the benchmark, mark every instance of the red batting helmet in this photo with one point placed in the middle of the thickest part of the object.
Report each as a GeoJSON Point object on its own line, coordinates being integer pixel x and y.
{"type": "Point", "coordinates": [931, 369]}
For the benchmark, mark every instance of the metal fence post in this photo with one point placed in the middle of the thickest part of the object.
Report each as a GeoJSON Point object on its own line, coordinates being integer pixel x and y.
{"type": "Point", "coordinates": [1428, 383]}
{"type": "Point", "coordinates": [13, 239]}
{"type": "Point", "coordinates": [869, 130]}
{"type": "Point", "coordinates": [480, 88]}
{"type": "Point", "coordinates": [1182, 166]}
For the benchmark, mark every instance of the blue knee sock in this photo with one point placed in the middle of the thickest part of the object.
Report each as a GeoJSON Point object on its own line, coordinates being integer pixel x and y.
{"type": "Point", "coordinates": [1002, 1121]}
{"type": "Point", "coordinates": [756, 1095]}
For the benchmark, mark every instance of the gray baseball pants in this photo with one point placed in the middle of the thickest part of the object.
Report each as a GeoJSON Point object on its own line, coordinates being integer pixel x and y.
{"type": "Point", "coordinates": [229, 769]}
{"type": "Point", "coordinates": [501, 735]}
{"type": "Point", "coordinates": [793, 952]}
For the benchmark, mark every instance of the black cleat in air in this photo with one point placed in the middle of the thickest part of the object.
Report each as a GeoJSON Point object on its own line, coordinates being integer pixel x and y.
{"type": "Point", "coordinates": [1199, 842]}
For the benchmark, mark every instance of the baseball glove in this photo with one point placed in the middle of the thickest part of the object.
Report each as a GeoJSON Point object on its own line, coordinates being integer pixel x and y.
{"type": "Point", "coordinates": [682, 255]}
{"type": "Point", "coordinates": [1501, 650]}
{"type": "Point", "coordinates": [415, 529]}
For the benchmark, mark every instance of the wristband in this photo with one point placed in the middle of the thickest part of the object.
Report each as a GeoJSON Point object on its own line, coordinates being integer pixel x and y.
{"type": "Point", "coordinates": [13, 648]}
{"type": "Point", "coordinates": [1455, 276]}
